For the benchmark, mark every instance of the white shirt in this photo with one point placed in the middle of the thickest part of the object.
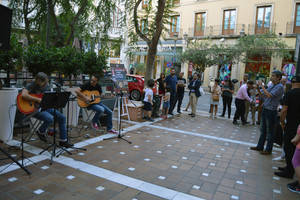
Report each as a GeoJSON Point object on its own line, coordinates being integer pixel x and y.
{"type": "Point", "coordinates": [148, 92]}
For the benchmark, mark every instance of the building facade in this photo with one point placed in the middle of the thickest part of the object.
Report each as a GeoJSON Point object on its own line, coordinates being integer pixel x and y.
{"type": "Point", "coordinates": [224, 21]}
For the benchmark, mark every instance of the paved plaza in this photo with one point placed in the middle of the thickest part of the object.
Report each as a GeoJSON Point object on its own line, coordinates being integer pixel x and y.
{"type": "Point", "coordinates": [181, 158]}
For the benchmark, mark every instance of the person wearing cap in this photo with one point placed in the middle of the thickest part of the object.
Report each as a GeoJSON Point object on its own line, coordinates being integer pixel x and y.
{"type": "Point", "coordinates": [272, 97]}
{"type": "Point", "coordinates": [291, 113]}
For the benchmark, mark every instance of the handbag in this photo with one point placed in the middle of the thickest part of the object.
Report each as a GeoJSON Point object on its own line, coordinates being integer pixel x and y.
{"type": "Point", "coordinates": [215, 97]}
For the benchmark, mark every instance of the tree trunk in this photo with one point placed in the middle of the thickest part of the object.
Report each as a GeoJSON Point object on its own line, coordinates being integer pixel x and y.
{"type": "Point", "coordinates": [26, 21]}
{"type": "Point", "coordinates": [150, 63]}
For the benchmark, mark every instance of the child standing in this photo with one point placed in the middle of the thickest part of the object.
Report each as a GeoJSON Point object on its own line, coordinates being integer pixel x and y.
{"type": "Point", "coordinates": [295, 186]}
{"type": "Point", "coordinates": [166, 104]}
{"type": "Point", "coordinates": [148, 100]}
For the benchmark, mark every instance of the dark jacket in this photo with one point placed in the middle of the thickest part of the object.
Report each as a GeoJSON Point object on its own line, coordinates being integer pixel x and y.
{"type": "Point", "coordinates": [195, 87]}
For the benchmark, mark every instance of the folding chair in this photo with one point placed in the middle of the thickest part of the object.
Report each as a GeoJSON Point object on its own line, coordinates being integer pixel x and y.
{"type": "Point", "coordinates": [34, 127]}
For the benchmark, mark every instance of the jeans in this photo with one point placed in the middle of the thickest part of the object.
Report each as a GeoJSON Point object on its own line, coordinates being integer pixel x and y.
{"type": "Point", "coordinates": [179, 100]}
{"type": "Point", "coordinates": [267, 127]}
{"type": "Point", "coordinates": [100, 109]}
{"type": "Point", "coordinates": [240, 110]}
{"type": "Point", "coordinates": [227, 103]}
{"type": "Point", "coordinates": [172, 101]}
{"type": "Point", "coordinates": [47, 117]}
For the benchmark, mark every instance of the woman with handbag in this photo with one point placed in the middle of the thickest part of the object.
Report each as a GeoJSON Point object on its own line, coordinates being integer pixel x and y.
{"type": "Point", "coordinates": [214, 100]}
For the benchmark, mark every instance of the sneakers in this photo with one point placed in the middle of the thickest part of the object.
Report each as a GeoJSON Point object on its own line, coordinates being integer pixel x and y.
{"type": "Point", "coordinates": [95, 126]}
{"type": "Point", "coordinates": [293, 184]}
{"type": "Point", "coordinates": [65, 144]}
{"type": "Point", "coordinates": [295, 188]}
{"type": "Point", "coordinates": [112, 131]}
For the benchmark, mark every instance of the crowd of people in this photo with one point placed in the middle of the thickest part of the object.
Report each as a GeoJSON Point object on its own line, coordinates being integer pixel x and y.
{"type": "Point", "coordinates": [274, 107]}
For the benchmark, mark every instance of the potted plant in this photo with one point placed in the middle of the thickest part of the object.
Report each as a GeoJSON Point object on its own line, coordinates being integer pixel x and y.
{"type": "Point", "coordinates": [9, 60]}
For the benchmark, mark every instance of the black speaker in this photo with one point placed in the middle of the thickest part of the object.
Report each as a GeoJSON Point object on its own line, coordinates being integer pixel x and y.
{"type": "Point", "coordinates": [5, 24]}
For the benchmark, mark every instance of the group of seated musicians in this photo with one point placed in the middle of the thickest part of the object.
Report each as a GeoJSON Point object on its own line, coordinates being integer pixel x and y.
{"type": "Point", "coordinates": [40, 86]}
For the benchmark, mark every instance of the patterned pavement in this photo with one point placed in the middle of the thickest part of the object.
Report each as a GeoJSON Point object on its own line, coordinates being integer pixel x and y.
{"type": "Point", "coordinates": [181, 158]}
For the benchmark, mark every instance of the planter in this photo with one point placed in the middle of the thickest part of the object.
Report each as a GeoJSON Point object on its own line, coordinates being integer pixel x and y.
{"type": "Point", "coordinates": [8, 98]}
{"type": "Point", "coordinates": [74, 109]}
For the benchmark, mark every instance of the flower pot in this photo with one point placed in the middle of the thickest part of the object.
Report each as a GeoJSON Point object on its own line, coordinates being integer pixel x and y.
{"type": "Point", "coordinates": [8, 98]}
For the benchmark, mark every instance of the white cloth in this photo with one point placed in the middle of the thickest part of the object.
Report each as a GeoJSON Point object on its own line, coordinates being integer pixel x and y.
{"type": "Point", "coordinates": [148, 92]}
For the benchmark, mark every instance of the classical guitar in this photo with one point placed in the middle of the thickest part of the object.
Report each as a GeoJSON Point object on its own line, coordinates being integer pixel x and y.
{"type": "Point", "coordinates": [27, 107]}
{"type": "Point", "coordinates": [93, 95]}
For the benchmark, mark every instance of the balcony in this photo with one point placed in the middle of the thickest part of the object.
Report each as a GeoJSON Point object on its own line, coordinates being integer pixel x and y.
{"type": "Point", "coordinates": [216, 31]}
{"type": "Point", "coordinates": [253, 29]}
{"type": "Point", "coordinates": [292, 29]}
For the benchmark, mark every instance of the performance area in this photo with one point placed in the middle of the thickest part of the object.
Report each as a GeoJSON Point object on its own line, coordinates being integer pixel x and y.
{"type": "Point", "coordinates": [179, 158]}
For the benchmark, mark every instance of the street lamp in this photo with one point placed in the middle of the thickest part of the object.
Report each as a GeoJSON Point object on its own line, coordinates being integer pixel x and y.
{"type": "Point", "coordinates": [175, 35]}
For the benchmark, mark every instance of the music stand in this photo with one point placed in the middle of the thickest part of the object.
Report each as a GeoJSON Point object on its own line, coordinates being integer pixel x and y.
{"type": "Point", "coordinates": [54, 100]}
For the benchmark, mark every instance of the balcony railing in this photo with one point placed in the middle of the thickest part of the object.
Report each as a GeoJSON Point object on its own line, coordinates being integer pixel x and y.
{"type": "Point", "coordinates": [253, 29]}
{"type": "Point", "coordinates": [219, 31]}
{"type": "Point", "coordinates": [215, 31]}
{"type": "Point", "coordinates": [291, 28]}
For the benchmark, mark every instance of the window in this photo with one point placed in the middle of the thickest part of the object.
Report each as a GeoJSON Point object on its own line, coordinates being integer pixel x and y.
{"type": "Point", "coordinates": [144, 25]}
{"type": "Point", "coordinates": [297, 19]}
{"type": "Point", "coordinates": [145, 3]}
{"type": "Point", "coordinates": [229, 20]}
{"type": "Point", "coordinates": [263, 20]}
{"type": "Point", "coordinates": [199, 24]}
{"type": "Point", "coordinates": [131, 79]}
{"type": "Point", "coordinates": [175, 25]}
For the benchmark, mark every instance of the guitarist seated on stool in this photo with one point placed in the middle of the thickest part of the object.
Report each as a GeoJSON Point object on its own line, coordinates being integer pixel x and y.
{"type": "Point", "coordinates": [39, 86]}
{"type": "Point", "coordinates": [99, 108]}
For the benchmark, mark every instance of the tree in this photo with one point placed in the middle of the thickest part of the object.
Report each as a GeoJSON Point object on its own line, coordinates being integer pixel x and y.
{"type": "Point", "coordinates": [82, 18]}
{"type": "Point", "coordinates": [93, 63]}
{"type": "Point", "coordinates": [199, 55]}
{"type": "Point", "coordinates": [265, 45]}
{"type": "Point", "coordinates": [11, 59]}
{"type": "Point", "coordinates": [205, 54]}
{"type": "Point", "coordinates": [29, 13]}
{"type": "Point", "coordinates": [156, 19]}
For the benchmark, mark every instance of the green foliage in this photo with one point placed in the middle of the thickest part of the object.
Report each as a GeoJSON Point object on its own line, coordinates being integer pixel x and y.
{"type": "Point", "coordinates": [40, 59]}
{"type": "Point", "coordinates": [149, 14]}
{"type": "Point", "coordinates": [205, 54]}
{"type": "Point", "coordinates": [198, 55]}
{"type": "Point", "coordinates": [11, 60]}
{"type": "Point", "coordinates": [93, 64]}
{"type": "Point", "coordinates": [85, 19]}
{"type": "Point", "coordinates": [140, 69]}
{"type": "Point", "coordinates": [265, 45]}
{"type": "Point", "coordinates": [66, 60]}
{"type": "Point", "coordinates": [71, 61]}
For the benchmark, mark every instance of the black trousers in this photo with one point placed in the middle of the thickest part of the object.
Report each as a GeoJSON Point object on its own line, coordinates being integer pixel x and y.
{"type": "Point", "coordinates": [240, 110]}
{"type": "Point", "coordinates": [179, 100]}
{"type": "Point", "coordinates": [288, 147]}
{"type": "Point", "coordinates": [227, 103]}
{"type": "Point", "coordinates": [173, 98]}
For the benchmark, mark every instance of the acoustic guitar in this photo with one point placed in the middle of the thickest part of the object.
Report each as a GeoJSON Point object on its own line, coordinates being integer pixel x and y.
{"type": "Point", "coordinates": [27, 107]}
{"type": "Point", "coordinates": [93, 95]}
